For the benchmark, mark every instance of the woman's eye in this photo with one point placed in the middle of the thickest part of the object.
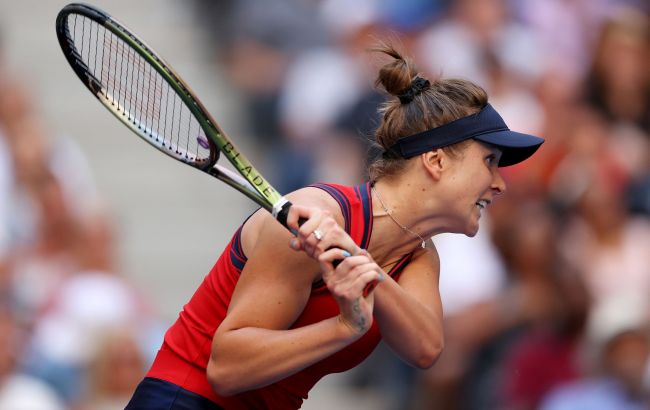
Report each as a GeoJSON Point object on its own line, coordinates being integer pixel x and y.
{"type": "Point", "coordinates": [490, 159]}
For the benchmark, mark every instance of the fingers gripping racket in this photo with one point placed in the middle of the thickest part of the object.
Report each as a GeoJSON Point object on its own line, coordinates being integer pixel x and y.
{"type": "Point", "coordinates": [147, 95]}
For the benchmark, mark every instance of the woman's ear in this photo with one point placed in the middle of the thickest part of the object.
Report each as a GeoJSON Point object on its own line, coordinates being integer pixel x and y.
{"type": "Point", "coordinates": [434, 162]}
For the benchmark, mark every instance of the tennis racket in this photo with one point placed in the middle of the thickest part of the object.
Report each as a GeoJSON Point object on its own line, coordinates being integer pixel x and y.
{"type": "Point", "coordinates": [146, 95]}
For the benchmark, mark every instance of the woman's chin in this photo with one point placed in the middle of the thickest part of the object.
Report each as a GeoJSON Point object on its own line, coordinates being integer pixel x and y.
{"type": "Point", "coordinates": [472, 229]}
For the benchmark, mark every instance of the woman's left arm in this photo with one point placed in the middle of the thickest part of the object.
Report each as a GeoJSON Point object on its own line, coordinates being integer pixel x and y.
{"type": "Point", "coordinates": [409, 312]}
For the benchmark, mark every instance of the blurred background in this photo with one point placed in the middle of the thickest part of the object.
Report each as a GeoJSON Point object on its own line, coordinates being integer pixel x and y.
{"type": "Point", "coordinates": [102, 240]}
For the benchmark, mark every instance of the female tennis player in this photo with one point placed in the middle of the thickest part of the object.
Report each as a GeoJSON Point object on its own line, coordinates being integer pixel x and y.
{"type": "Point", "coordinates": [270, 320]}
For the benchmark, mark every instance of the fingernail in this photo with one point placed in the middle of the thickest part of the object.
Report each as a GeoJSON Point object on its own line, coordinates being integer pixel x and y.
{"type": "Point", "coordinates": [294, 244]}
{"type": "Point", "coordinates": [381, 276]}
{"type": "Point", "coordinates": [294, 232]}
{"type": "Point", "coordinates": [346, 254]}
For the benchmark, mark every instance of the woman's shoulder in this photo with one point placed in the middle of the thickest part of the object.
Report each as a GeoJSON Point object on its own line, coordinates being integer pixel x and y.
{"type": "Point", "coordinates": [322, 196]}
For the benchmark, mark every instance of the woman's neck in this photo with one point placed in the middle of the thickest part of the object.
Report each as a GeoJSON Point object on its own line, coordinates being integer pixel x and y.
{"type": "Point", "coordinates": [398, 227]}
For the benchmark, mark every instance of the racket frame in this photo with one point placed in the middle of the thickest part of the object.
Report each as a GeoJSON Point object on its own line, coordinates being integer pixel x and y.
{"type": "Point", "coordinates": [248, 181]}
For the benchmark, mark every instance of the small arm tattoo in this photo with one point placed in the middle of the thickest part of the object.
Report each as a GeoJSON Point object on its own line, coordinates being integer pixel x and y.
{"type": "Point", "coordinates": [361, 322]}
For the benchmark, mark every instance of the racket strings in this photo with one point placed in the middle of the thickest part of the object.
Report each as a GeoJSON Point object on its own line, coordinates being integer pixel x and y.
{"type": "Point", "coordinates": [138, 93]}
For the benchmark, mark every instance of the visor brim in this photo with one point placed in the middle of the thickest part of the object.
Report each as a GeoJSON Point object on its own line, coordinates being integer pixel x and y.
{"type": "Point", "coordinates": [516, 147]}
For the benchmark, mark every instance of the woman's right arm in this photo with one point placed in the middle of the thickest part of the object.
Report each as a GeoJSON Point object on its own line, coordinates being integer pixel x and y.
{"type": "Point", "coordinates": [253, 347]}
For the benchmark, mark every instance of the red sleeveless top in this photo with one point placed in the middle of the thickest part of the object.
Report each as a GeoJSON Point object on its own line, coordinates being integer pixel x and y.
{"type": "Point", "coordinates": [185, 352]}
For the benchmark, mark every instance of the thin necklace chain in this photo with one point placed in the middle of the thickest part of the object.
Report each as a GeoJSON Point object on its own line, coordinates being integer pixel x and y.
{"type": "Point", "coordinates": [390, 215]}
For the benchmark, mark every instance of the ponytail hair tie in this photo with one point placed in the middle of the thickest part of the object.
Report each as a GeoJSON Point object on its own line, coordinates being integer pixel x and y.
{"type": "Point", "coordinates": [418, 85]}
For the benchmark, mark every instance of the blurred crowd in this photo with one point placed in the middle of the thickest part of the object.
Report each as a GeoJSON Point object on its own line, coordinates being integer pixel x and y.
{"type": "Point", "coordinates": [75, 333]}
{"type": "Point", "coordinates": [547, 308]}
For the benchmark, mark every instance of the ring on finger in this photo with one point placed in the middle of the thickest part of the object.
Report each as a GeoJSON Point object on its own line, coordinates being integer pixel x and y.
{"type": "Point", "coordinates": [318, 234]}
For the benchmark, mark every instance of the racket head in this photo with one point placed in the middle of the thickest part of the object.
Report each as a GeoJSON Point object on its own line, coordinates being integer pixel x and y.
{"type": "Point", "coordinates": [147, 96]}
{"type": "Point", "coordinates": [118, 69]}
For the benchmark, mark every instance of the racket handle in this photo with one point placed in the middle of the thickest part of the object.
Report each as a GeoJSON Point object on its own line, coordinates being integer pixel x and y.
{"type": "Point", "coordinates": [283, 214]}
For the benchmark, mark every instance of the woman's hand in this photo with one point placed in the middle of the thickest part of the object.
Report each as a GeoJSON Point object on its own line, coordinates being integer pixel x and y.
{"type": "Point", "coordinates": [347, 282]}
{"type": "Point", "coordinates": [347, 269]}
{"type": "Point", "coordinates": [319, 233]}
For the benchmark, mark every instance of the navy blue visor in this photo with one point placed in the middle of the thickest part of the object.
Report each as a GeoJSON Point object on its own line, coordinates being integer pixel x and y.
{"type": "Point", "coordinates": [485, 126]}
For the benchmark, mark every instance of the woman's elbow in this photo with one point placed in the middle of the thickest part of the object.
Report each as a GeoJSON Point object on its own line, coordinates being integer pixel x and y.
{"type": "Point", "coordinates": [221, 380]}
{"type": "Point", "coordinates": [428, 355]}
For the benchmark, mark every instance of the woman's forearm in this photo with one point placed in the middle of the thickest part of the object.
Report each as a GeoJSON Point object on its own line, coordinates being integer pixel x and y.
{"type": "Point", "coordinates": [249, 358]}
{"type": "Point", "coordinates": [412, 330]}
